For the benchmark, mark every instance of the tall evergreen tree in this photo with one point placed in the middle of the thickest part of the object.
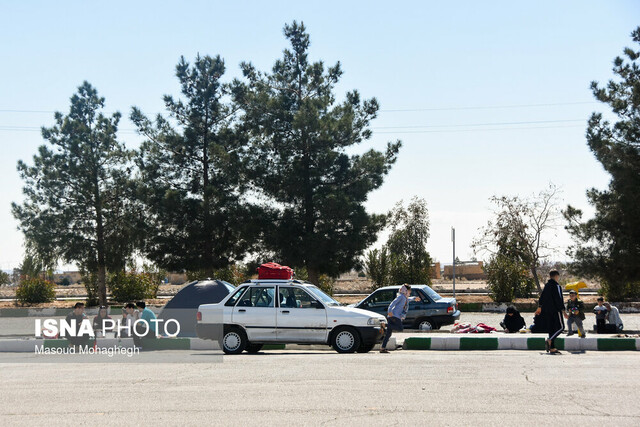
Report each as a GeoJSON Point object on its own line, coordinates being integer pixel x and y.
{"type": "Point", "coordinates": [607, 246]}
{"type": "Point", "coordinates": [191, 175]}
{"type": "Point", "coordinates": [299, 135]}
{"type": "Point", "coordinates": [76, 207]}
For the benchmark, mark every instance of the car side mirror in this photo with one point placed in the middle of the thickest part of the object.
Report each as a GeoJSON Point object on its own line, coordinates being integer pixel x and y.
{"type": "Point", "coordinates": [317, 304]}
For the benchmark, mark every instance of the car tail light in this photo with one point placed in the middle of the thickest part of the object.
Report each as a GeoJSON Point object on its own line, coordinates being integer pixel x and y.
{"type": "Point", "coordinates": [199, 317]}
{"type": "Point", "coordinates": [450, 309]}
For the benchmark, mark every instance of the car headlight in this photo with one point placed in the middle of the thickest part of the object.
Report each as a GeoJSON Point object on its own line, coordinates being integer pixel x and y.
{"type": "Point", "coordinates": [373, 321]}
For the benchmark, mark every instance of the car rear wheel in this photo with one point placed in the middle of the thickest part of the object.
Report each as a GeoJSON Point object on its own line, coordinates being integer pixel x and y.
{"type": "Point", "coordinates": [234, 341]}
{"type": "Point", "coordinates": [254, 348]}
{"type": "Point", "coordinates": [425, 324]}
{"type": "Point", "coordinates": [345, 340]}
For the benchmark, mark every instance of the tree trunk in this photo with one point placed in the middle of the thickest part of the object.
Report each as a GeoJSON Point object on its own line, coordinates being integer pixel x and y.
{"type": "Point", "coordinates": [313, 275]}
{"type": "Point", "coordinates": [534, 272]}
{"type": "Point", "coordinates": [102, 270]}
{"type": "Point", "coordinates": [102, 284]}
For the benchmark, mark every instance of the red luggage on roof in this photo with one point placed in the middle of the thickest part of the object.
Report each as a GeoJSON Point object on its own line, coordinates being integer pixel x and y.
{"type": "Point", "coordinates": [271, 270]}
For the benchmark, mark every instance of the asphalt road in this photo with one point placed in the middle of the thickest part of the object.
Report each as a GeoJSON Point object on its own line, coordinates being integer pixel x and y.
{"type": "Point", "coordinates": [326, 388]}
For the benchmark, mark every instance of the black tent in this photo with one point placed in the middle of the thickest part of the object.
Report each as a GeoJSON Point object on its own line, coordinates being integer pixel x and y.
{"type": "Point", "coordinates": [184, 305]}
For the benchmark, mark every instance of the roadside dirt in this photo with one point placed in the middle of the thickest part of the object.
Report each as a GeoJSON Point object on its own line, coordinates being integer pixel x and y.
{"type": "Point", "coordinates": [351, 286]}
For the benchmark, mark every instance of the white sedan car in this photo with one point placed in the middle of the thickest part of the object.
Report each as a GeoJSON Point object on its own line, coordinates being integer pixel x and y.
{"type": "Point", "coordinates": [287, 311]}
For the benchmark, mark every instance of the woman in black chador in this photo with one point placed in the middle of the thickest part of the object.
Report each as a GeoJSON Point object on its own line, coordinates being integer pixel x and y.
{"type": "Point", "coordinates": [551, 309]}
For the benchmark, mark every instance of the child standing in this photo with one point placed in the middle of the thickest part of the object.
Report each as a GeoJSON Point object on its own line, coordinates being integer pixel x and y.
{"type": "Point", "coordinates": [575, 314]}
{"type": "Point", "coordinates": [601, 314]}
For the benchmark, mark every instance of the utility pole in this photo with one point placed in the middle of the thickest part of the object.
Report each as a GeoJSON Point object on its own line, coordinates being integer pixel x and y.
{"type": "Point", "coordinates": [453, 239]}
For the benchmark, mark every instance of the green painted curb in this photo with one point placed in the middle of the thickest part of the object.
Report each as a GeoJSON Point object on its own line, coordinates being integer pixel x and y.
{"type": "Point", "coordinates": [470, 306]}
{"type": "Point", "coordinates": [606, 344]}
{"type": "Point", "coordinates": [535, 343]}
{"type": "Point", "coordinates": [478, 343]}
{"type": "Point", "coordinates": [417, 343]}
{"type": "Point", "coordinates": [61, 343]}
{"type": "Point", "coordinates": [14, 312]}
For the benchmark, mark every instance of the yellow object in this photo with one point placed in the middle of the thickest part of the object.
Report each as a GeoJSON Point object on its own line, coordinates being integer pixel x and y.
{"type": "Point", "coordinates": [575, 286]}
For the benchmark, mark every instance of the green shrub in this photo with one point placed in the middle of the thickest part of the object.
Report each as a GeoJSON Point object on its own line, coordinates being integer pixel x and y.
{"type": "Point", "coordinates": [508, 279]}
{"type": "Point", "coordinates": [35, 290]}
{"type": "Point", "coordinates": [132, 286]}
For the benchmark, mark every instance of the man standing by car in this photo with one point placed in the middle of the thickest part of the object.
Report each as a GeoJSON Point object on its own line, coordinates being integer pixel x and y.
{"type": "Point", "coordinates": [396, 313]}
{"type": "Point", "coordinates": [551, 306]}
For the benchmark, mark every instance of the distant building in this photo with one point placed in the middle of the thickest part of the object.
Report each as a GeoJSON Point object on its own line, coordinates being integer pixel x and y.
{"type": "Point", "coordinates": [469, 270]}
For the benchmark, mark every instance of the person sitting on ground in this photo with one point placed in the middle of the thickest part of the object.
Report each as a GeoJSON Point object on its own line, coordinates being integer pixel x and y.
{"type": "Point", "coordinates": [537, 325]}
{"type": "Point", "coordinates": [512, 321]}
{"type": "Point", "coordinates": [144, 332]}
{"type": "Point", "coordinates": [98, 322]}
{"type": "Point", "coordinates": [601, 315]}
{"type": "Point", "coordinates": [77, 316]}
{"type": "Point", "coordinates": [129, 317]}
{"type": "Point", "coordinates": [397, 311]}
{"type": "Point", "coordinates": [614, 322]}
{"type": "Point", "coordinates": [575, 314]}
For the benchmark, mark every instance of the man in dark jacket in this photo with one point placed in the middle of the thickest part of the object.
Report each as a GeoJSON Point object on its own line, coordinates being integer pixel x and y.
{"type": "Point", "coordinates": [551, 308]}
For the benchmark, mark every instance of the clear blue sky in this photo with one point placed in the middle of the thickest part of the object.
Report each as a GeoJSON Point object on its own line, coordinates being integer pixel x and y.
{"type": "Point", "coordinates": [438, 57]}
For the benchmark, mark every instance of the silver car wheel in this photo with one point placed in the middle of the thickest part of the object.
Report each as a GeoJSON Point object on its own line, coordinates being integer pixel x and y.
{"type": "Point", "coordinates": [345, 340]}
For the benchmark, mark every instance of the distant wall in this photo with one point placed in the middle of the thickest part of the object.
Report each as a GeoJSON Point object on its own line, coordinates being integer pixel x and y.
{"type": "Point", "coordinates": [435, 271]}
{"type": "Point", "coordinates": [467, 271]}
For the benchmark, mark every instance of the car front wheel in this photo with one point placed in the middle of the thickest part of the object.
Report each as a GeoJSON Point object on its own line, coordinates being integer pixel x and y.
{"type": "Point", "coordinates": [345, 340]}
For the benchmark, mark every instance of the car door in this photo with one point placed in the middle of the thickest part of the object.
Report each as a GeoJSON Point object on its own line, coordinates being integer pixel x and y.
{"type": "Point", "coordinates": [417, 309]}
{"type": "Point", "coordinates": [256, 312]}
{"type": "Point", "coordinates": [379, 301]}
{"type": "Point", "coordinates": [300, 317]}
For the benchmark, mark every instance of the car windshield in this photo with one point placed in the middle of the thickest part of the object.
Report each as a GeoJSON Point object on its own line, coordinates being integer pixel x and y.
{"type": "Point", "coordinates": [431, 293]}
{"type": "Point", "coordinates": [324, 298]}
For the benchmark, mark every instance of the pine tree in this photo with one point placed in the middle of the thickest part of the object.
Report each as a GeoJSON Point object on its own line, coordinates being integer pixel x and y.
{"type": "Point", "coordinates": [76, 205]}
{"type": "Point", "coordinates": [299, 136]}
{"type": "Point", "coordinates": [607, 246]}
{"type": "Point", "coordinates": [191, 175]}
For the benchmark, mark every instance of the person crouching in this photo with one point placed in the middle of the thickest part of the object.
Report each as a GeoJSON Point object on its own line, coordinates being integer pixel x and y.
{"type": "Point", "coordinates": [512, 321]}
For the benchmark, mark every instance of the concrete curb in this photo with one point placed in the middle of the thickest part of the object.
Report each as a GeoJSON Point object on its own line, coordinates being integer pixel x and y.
{"type": "Point", "coordinates": [520, 343]}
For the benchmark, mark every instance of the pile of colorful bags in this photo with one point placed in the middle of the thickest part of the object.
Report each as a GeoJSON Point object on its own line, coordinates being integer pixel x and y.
{"type": "Point", "coordinates": [466, 328]}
